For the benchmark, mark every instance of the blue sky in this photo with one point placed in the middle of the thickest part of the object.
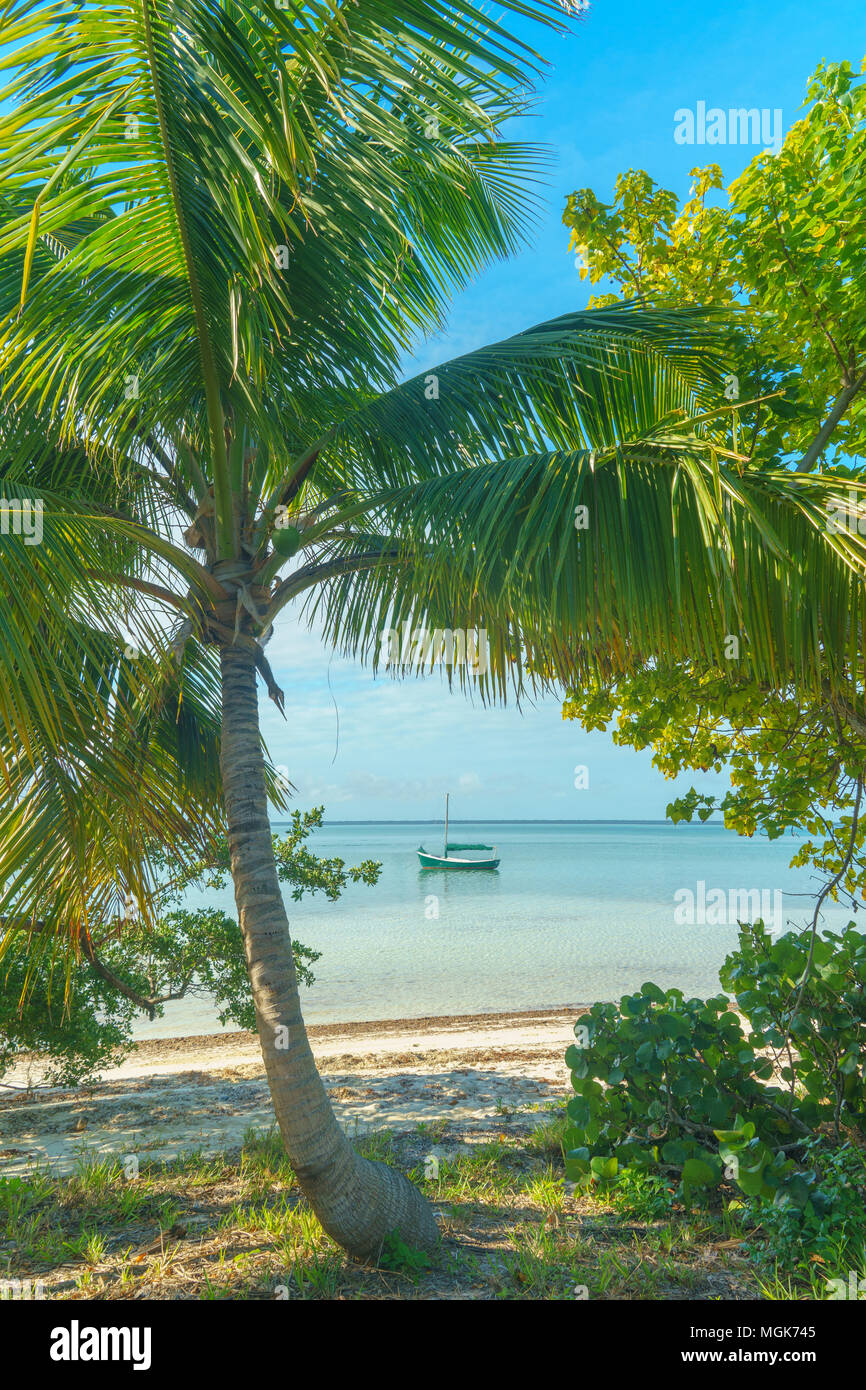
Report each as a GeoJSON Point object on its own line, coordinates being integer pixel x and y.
{"type": "Point", "coordinates": [608, 105]}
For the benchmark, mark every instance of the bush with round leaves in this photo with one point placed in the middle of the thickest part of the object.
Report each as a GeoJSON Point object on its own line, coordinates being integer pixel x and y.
{"type": "Point", "coordinates": [691, 1089]}
{"type": "Point", "coordinates": [806, 1002]}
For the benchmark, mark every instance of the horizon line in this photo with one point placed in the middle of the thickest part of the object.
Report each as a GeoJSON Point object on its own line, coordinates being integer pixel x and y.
{"type": "Point", "coordinates": [523, 820]}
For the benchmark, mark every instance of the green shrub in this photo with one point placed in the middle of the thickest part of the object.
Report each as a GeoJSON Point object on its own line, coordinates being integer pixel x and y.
{"type": "Point", "coordinates": [831, 1224]}
{"type": "Point", "coordinates": [75, 1017]}
{"type": "Point", "coordinates": [824, 1022]}
{"type": "Point", "coordinates": [677, 1086]}
{"type": "Point", "coordinates": [75, 1031]}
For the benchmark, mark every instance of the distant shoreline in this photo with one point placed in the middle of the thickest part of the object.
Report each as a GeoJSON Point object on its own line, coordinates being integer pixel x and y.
{"type": "Point", "coordinates": [380, 1027]}
{"type": "Point", "coordinates": [524, 821]}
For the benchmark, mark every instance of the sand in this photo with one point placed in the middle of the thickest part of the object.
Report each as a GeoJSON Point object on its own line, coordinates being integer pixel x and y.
{"type": "Point", "coordinates": [174, 1095]}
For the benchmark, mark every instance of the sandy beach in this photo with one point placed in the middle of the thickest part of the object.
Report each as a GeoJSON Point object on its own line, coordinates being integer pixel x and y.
{"type": "Point", "coordinates": [479, 1072]}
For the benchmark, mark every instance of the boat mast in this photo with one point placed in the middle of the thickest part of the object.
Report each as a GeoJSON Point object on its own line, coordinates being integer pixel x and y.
{"type": "Point", "coordinates": [445, 851]}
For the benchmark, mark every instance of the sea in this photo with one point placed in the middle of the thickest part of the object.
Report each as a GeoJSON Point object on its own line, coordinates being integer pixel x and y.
{"type": "Point", "coordinates": [576, 912]}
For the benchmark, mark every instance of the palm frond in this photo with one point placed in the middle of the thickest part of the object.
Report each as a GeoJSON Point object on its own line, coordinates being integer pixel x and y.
{"type": "Point", "coordinates": [679, 555]}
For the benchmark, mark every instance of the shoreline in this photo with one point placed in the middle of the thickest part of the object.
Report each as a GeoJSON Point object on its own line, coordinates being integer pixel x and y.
{"type": "Point", "coordinates": [476, 1074]}
{"type": "Point", "coordinates": [229, 1040]}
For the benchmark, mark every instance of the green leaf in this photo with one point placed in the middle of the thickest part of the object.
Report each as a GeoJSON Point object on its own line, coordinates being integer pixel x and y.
{"type": "Point", "coordinates": [698, 1173]}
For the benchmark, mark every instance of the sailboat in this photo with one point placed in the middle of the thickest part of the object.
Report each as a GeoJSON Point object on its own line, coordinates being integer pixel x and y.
{"type": "Point", "coordinates": [449, 860]}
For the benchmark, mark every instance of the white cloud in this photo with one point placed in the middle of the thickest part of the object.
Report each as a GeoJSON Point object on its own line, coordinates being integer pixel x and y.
{"type": "Point", "coordinates": [403, 744]}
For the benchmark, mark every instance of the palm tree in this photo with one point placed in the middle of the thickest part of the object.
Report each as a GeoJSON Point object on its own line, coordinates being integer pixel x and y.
{"type": "Point", "coordinates": [221, 226]}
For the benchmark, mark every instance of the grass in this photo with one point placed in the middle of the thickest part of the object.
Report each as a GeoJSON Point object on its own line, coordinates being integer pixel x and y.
{"type": "Point", "coordinates": [237, 1227]}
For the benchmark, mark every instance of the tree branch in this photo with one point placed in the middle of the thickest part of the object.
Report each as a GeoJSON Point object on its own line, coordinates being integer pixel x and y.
{"type": "Point", "coordinates": [309, 575]}
{"type": "Point", "coordinates": [267, 675]}
{"type": "Point", "coordinates": [101, 969]}
{"type": "Point", "coordinates": [822, 438]}
{"type": "Point", "coordinates": [142, 586]}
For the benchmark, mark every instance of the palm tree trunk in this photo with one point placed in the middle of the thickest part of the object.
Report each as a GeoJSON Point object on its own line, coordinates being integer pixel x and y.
{"type": "Point", "coordinates": [357, 1201]}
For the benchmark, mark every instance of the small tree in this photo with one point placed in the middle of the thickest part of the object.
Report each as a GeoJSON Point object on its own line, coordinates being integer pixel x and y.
{"type": "Point", "coordinates": [79, 1019]}
{"type": "Point", "coordinates": [784, 246]}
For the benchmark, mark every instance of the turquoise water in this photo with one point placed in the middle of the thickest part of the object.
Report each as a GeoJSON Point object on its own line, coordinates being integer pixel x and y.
{"type": "Point", "coordinates": [576, 912]}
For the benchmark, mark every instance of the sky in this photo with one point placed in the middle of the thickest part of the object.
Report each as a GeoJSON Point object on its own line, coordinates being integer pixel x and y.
{"type": "Point", "coordinates": [376, 749]}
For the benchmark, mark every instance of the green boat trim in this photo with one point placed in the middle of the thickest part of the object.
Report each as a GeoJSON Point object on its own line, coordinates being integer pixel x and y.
{"type": "Point", "coordinates": [442, 861]}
